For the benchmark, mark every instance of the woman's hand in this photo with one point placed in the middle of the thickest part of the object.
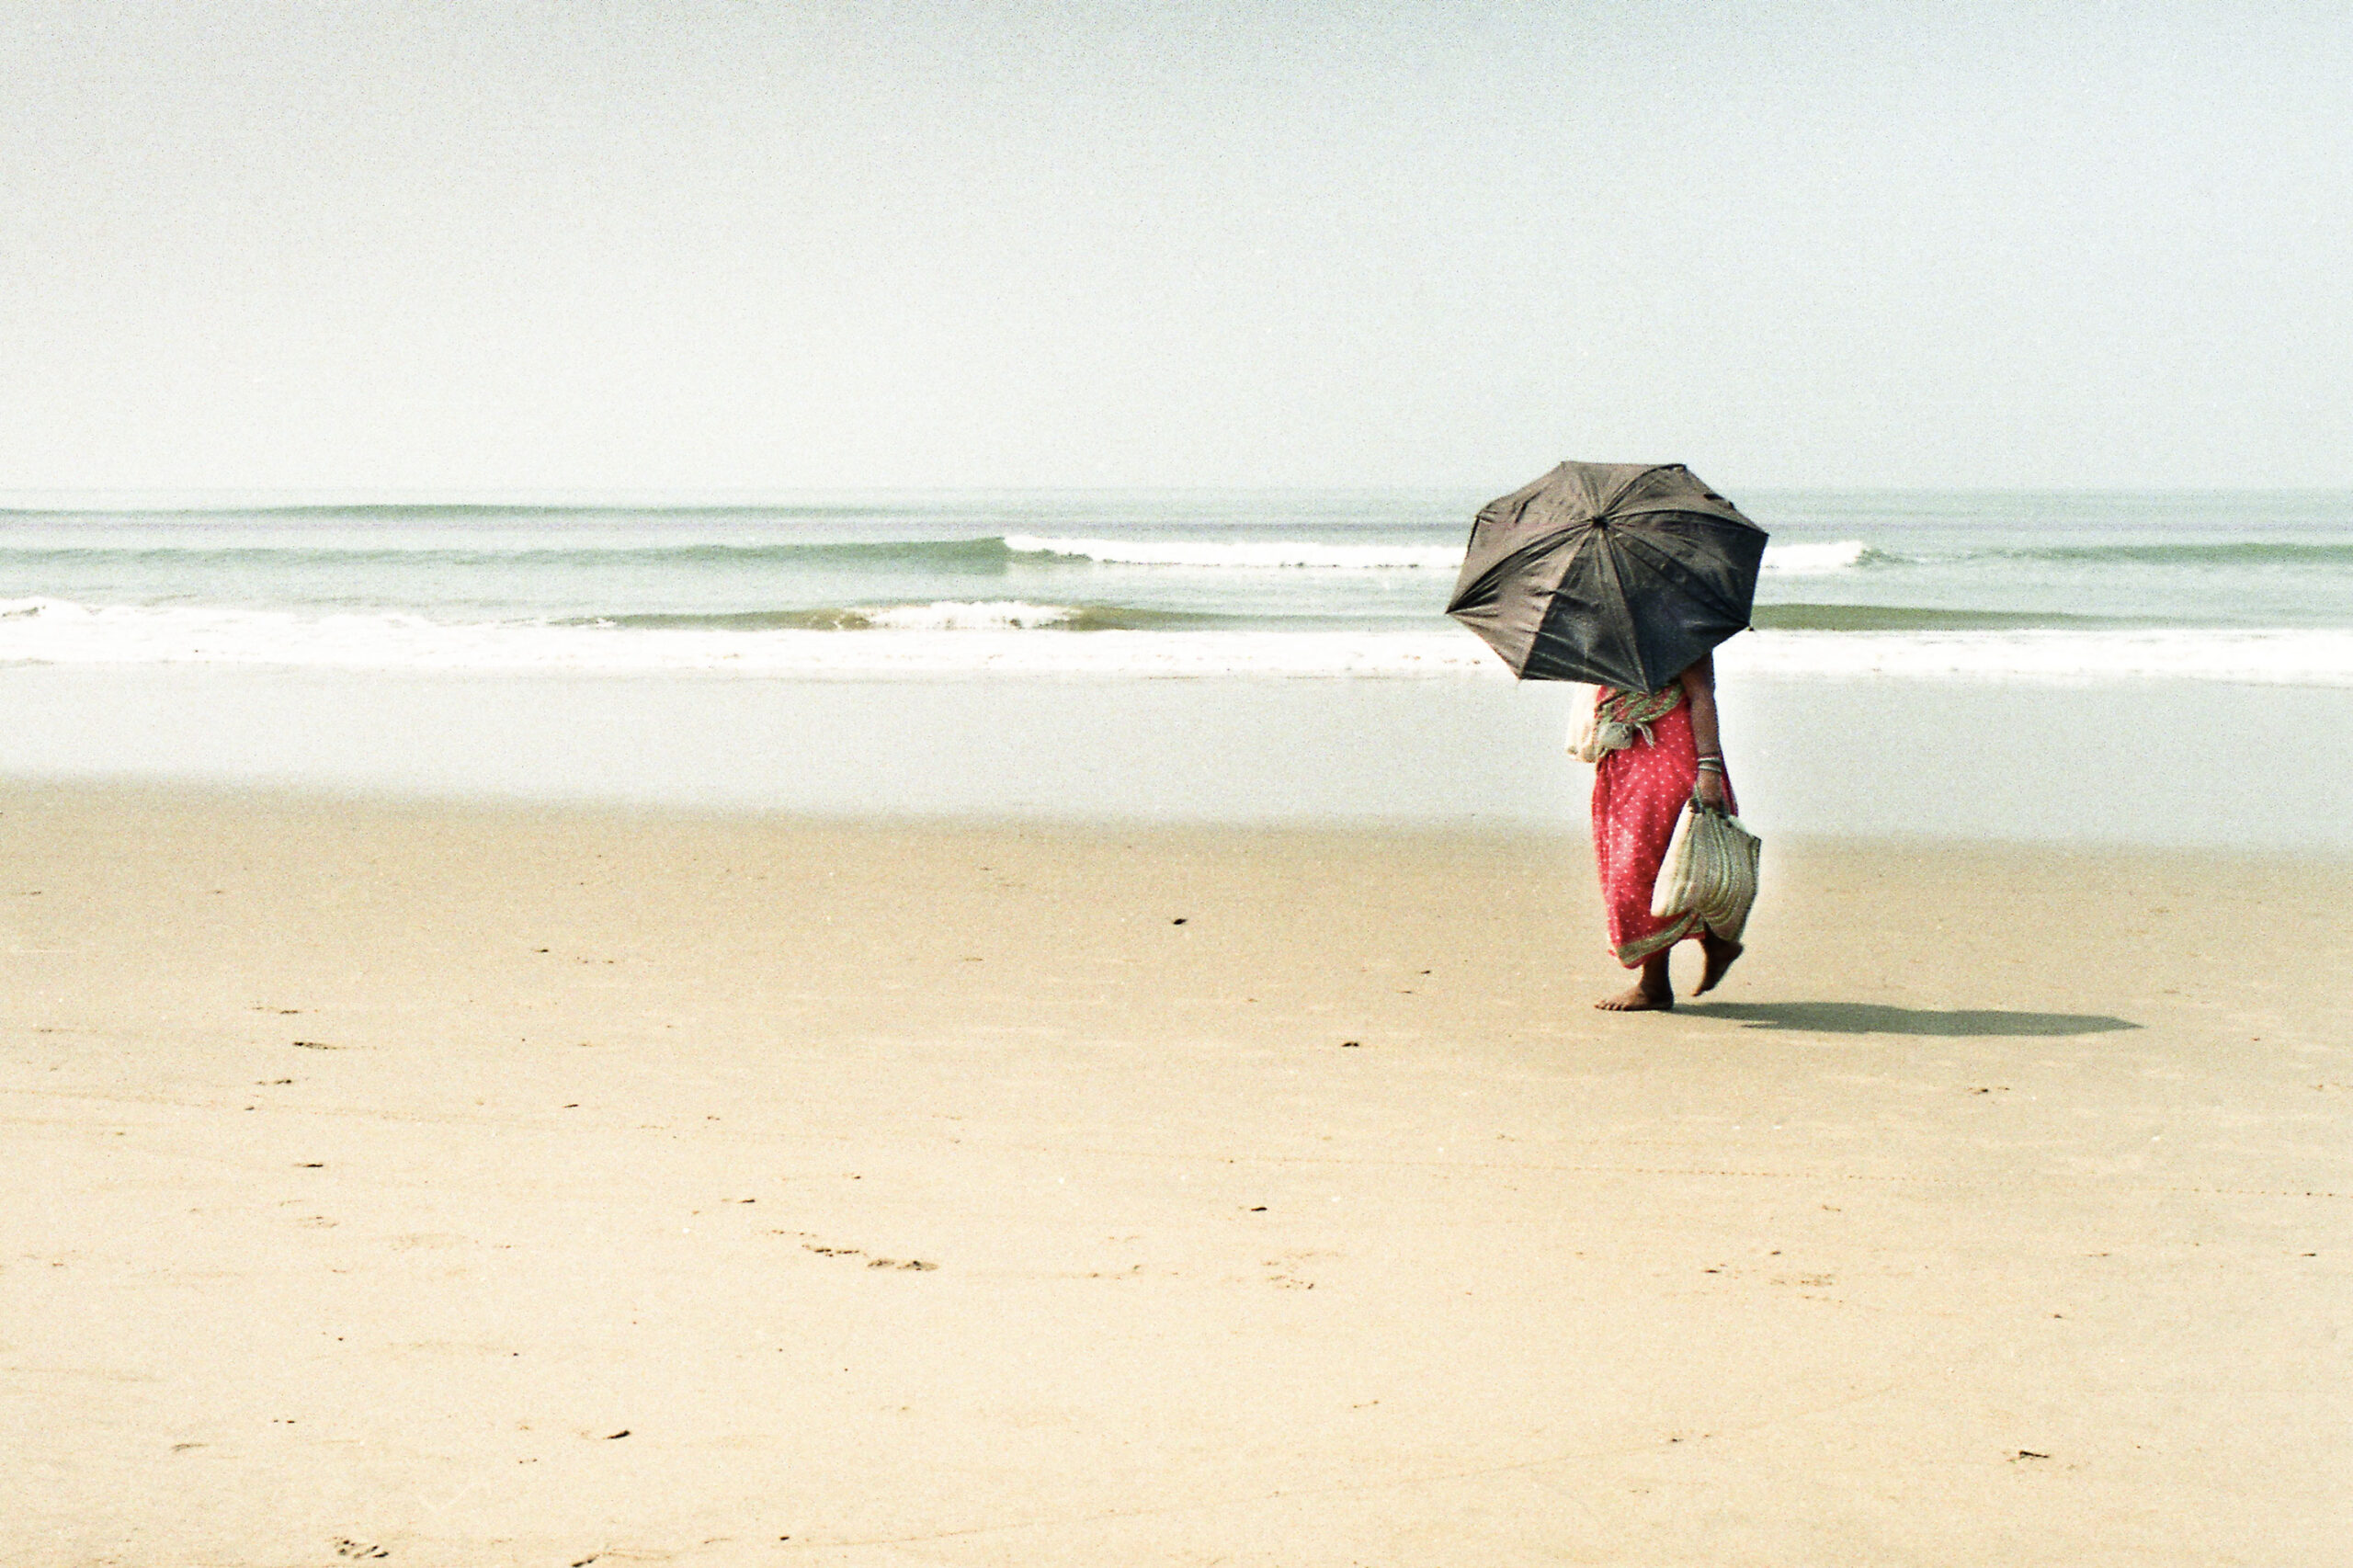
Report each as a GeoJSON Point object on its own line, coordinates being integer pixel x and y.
{"type": "Point", "coordinates": [1713, 790]}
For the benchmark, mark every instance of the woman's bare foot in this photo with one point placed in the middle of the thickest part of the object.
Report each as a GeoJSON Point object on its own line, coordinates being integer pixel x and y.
{"type": "Point", "coordinates": [1719, 954]}
{"type": "Point", "coordinates": [1651, 994]}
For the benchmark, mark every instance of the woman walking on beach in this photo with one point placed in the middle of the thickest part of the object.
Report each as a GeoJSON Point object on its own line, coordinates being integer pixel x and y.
{"type": "Point", "coordinates": [1657, 751]}
{"type": "Point", "coordinates": [1618, 574]}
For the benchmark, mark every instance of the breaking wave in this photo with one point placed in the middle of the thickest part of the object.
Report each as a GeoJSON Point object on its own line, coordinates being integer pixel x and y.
{"type": "Point", "coordinates": [984, 638]}
{"type": "Point", "coordinates": [1259, 553]}
{"type": "Point", "coordinates": [1914, 618]}
{"type": "Point", "coordinates": [2224, 552]}
{"type": "Point", "coordinates": [959, 556]}
{"type": "Point", "coordinates": [1817, 560]}
{"type": "Point", "coordinates": [999, 615]}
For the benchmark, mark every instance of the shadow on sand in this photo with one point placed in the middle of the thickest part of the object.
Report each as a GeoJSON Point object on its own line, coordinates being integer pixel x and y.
{"type": "Point", "coordinates": [1866, 1017]}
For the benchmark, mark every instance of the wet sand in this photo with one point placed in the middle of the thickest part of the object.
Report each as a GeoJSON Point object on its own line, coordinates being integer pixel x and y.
{"type": "Point", "coordinates": [451, 1184]}
{"type": "Point", "coordinates": [2144, 762]}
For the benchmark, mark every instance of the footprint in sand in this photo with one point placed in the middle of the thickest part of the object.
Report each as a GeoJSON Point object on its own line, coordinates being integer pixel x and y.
{"type": "Point", "coordinates": [914, 1265]}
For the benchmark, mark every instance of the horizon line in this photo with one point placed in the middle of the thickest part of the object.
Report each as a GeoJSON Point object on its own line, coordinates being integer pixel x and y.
{"type": "Point", "coordinates": [51, 500]}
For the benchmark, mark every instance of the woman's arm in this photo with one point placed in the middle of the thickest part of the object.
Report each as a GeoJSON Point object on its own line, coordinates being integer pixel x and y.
{"type": "Point", "coordinates": [1699, 690]}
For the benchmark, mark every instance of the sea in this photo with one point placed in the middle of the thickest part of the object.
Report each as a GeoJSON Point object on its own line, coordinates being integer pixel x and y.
{"type": "Point", "coordinates": [2234, 586]}
{"type": "Point", "coordinates": [1955, 664]}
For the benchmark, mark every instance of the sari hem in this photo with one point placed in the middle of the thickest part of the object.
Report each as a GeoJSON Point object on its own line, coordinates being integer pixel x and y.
{"type": "Point", "coordinates": [1634, 954]}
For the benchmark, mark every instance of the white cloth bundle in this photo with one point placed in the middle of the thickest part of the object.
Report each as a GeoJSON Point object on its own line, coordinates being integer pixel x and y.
{"type": "Point", "coordinates": [1595, 733]}
{"type": "Point", "coordinates": [1709, 870]}
{"type": "Point", "coordinates": [1594, 737]}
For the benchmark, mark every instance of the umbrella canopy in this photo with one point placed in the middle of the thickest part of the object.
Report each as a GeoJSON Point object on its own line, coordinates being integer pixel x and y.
{"type": "Point", "coordinates": [1618, 573]}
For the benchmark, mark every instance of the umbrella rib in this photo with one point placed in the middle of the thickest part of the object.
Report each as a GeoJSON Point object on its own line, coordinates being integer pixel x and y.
{"type": "Point", "coordinates": [1567, 564]}
{"type": "Point", "coordinates": [1661, 561]}
{"type": "Point", "coordinates": [1603, 542]}
{"type": "Point", "coordinates": [1609, 503]}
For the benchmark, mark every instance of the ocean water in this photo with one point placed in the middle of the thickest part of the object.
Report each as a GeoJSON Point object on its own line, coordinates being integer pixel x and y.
{"type": "Point", "coordinates": [2246, 587]}
{"type": "Point", "coordinates": [2074, 668]}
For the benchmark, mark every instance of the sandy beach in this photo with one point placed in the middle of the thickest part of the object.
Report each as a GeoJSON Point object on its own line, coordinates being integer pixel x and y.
{"type": "Point", "coordinates": [786, 784]}
{"type": "Point", "coordinates": [462, 1185]}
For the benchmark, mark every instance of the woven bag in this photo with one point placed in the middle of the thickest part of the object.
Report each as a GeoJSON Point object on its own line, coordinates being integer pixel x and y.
{"type": "Point", "coordinates": [1709, 870]}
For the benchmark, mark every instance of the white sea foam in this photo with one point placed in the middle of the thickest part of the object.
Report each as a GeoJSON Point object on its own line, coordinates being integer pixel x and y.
{"type": "Point", "coordinates": [932, 639]}
{"type": "Point", "coordinates": [2265, 658]}
{"type": "Point", "coordinates": [1816, 560]}
{"type": "Point", "coordinates": [995, 615]}
{"type": "Point", "coordinates": [1788, 559]}
{"type": "Point", "coordinates": [1262, 554]}
{"type": "Point", "coordinates": [1013, 637]}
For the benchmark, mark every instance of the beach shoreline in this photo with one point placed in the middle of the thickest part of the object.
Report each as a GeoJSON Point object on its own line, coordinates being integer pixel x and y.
{"type": "Point", "coordinates": [2127, 762]}
{"type": "Point", "coordinates": [1075, 1192]}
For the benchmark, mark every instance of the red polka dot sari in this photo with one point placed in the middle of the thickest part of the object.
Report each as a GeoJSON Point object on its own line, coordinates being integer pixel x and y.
{"type": "Point", "coordinates": [1637, 793]}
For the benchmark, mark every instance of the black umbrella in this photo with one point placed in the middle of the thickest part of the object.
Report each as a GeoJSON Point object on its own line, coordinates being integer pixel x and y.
{"type": "Point", "coordinates": [1618, 573]}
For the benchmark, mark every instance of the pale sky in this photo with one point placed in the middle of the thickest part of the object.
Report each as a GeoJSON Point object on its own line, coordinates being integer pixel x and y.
{"type": "Point", "coordinates": [715, 245]}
